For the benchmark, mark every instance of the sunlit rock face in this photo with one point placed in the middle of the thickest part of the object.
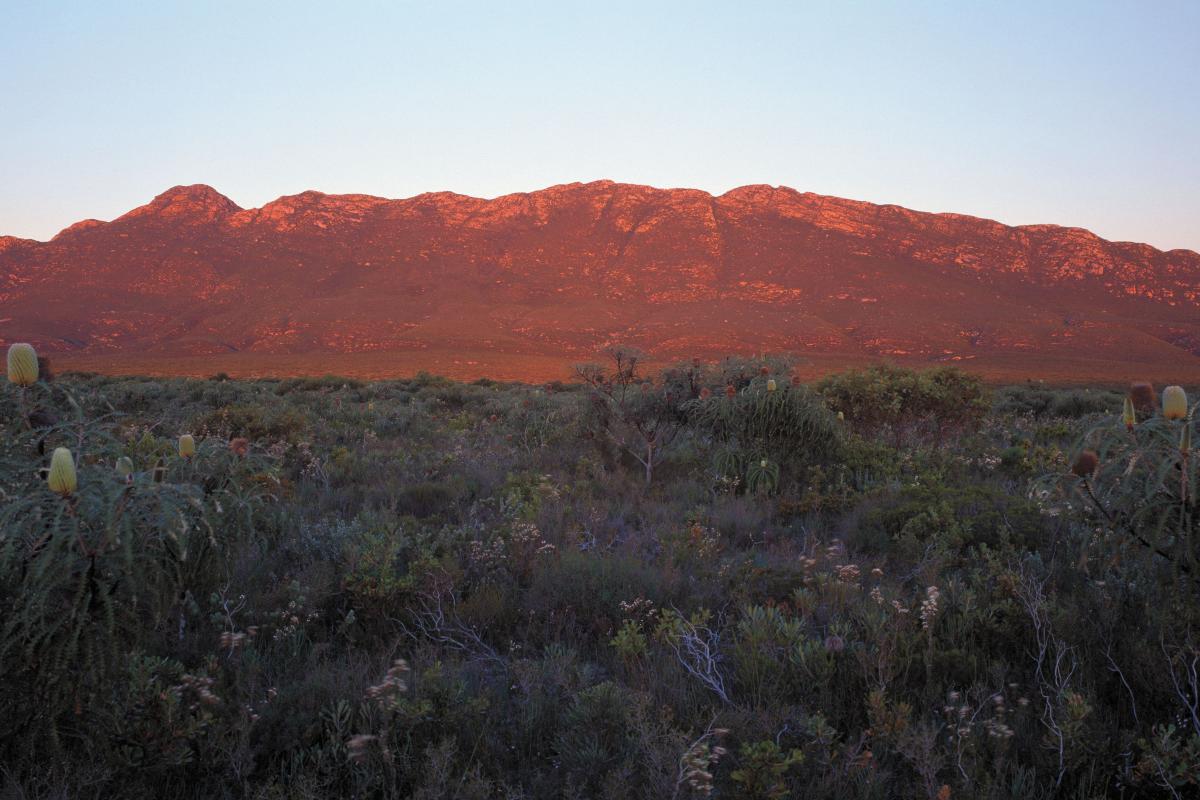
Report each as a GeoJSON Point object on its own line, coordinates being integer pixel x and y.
{"type": "Point", "coordinates": [568, 269]}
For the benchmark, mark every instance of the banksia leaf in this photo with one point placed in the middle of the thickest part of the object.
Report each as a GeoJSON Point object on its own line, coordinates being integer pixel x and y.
{"type": "Point", "coordinates": [1085, 465]}
{"type": "Point", "coordinates": [1174, 403]}
{"type": "Point", "coordinates": [22, 364]}
{"type": "Point", "coordinates": [62, 479]}
{"type": "Point", "coordinates": [187, 445]}
{"type": "Point", "coordinates": [771, 385]}
{"type": "Point", "coordinates": [1129, 415]}
{"type": "Point", "coordinates": [1143, 397]}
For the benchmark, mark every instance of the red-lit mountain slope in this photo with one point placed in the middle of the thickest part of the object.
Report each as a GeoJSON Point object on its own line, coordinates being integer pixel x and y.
{"type": "Point", "coordinates": [527, 284]}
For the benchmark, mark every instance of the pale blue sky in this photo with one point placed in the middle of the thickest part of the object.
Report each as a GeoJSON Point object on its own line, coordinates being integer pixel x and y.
{"type": "Point", "coordinates": [1081, 113]}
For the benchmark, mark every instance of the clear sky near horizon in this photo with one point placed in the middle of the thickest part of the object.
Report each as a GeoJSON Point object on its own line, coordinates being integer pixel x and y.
{"type": "Point", "coordinates": [1075, 113]}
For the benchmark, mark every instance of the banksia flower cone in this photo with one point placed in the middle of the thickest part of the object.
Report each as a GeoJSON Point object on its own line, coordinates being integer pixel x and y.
{"type": "Point", "coordinates": [1174, 403]}
{"type": "Point", "coordinates": [239, 446]}
{"type": "Point", "coordinates": [730, 391]}
{"type": "Point", "coordinates": [62, 479]}
{"type": "Point", "coordinates": [187, 446]}
{"type": "Point", "coordinates": [771, 385]}
{"type": "Point", "coordinates": [22, 364]}
{"type": "Point", "coordinates": [1085, 465]}
{"type": "Point", "coordinates": [705, 393]}
{"type": "Point", "coordinates": [1143, 397]}
{"type": "Point", "coordinates": [841, 416]}
{"type": "Point", "coordinates": [125, 468]}
{"type": "Point", "coordinates": [1129, 415]}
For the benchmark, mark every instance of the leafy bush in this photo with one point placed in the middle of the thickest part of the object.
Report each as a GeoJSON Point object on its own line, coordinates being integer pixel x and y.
{"type": "Point", "coordinates": [421, 588]}
{"type": "Point", "coordinates": [907, 406]}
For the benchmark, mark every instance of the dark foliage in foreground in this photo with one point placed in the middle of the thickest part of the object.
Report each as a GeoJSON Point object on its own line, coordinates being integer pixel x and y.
{"type": "Point", "coordinates": [696, 584]}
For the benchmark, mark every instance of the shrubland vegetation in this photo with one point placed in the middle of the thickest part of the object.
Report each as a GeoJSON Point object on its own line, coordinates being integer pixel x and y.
{"type": "Point", "coordinates": [713, 582]}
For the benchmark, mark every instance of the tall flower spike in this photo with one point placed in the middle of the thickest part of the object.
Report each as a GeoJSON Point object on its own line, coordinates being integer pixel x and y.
{"type": "Point", "coordinates": [22, 364]}
{"type": "Point", "coordinates": [1174, 403]}
{"type": "Point", "coordinates": [62, 479]}
{"type": "Point", "coordinates": [1129, 415]}
{"type": "Point", "coordinates": [187, 445]}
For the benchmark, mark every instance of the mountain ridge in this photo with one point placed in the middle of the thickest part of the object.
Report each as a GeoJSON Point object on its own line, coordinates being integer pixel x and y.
{"type": "Point", "coordinates": [563, 271]}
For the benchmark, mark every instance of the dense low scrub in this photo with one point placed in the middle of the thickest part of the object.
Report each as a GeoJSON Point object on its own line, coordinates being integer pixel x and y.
{"type": "Point", "coordinates": [710, 582]}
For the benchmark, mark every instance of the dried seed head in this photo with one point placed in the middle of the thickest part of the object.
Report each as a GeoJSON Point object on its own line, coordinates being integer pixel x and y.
{"type": "Point", "coordinates": [1174, 403]}
{"type": "Point", "coordinates": [239, 446]}
{"type": "Point", "coordinates": [705, 393]}
{"type": "Point", "coordinates": [764, 371]}
{"type": "Point", "coordinates": [1143, 397]}
{"type": "Point", "coordinates": [62, 479]}
{"type": "Point", "coordinates": [730, 391]}
{"type": "Point", "coordinates": [22, 364]}
{"type": "Point", "coordinates": [1085, 465]}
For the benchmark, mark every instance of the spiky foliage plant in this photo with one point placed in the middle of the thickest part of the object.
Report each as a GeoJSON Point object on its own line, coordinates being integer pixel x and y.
{"type": "Point", "coordinates": [1140, 485]}
{"type": "Point", "coordinates": [95, 564]}
{"type": "Point", "coordinates": [762, 477]}
{"type": "Point", "coordinates": [788, 426]}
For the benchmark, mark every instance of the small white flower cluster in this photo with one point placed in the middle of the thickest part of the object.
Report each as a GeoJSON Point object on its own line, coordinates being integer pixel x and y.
{"type": "Point", "coordinates": [929, 606]}
{"type": "Point", "coordinates": [387, 692]}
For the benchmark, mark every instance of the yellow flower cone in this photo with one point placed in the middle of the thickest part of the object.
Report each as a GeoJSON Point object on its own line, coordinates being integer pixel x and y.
{"type": "Point", "coordinates": [62, 479]}
{"type": "Point", "coordinates": [1129, 416]}
{"type": "Point", "coordinates": [771, 385]}
{"type": "Point", "coordinates": [187, 446]}
{"type": "Point", "coordinates": [22, 364]}
{"type": "Point", "coordinates": [1174, 402]}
